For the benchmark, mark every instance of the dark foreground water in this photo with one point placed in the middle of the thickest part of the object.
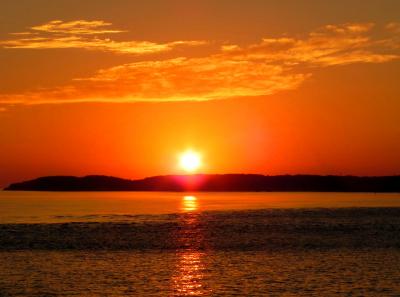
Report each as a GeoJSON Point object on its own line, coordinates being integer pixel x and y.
{"type": "Point", "coordinates": [198, 248]}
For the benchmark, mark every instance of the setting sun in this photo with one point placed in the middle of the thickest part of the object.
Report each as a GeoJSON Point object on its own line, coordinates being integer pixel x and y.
{"type": "Point", "coordinates": [190, 161]}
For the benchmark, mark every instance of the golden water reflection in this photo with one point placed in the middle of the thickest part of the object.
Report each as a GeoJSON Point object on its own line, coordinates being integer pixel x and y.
{"type": "Point", "coordinates": [189, 274]}
{"type": "Point", "coordinates": [189, 203]}
{"type": "Point", "coordinates": [188, 278]}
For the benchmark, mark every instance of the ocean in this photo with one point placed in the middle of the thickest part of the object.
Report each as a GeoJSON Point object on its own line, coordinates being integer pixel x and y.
{"type": "Point", "coordinates": [199, 244]}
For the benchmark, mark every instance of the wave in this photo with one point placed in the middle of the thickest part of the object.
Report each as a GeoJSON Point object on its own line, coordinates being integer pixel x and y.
{"type": "Point", "coordinates": [260, 230]}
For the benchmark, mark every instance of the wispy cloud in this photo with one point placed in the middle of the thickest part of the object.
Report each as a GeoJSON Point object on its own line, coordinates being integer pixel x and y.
{"type": "Point", "coordinates": [327, 46]}
{"type": "Point", "coordinates": [264, 68]}
{"type": "Point", "coordinates": [83, 34]}
{"type": "Point", "coordinates": [76, 27]}
{"type": "Point", "coordinates": [178, 79]}
{"type": "Point", "coordinates": [393, 26]}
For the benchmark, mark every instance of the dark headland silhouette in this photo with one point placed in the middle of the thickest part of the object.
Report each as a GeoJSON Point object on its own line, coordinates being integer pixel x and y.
{"type": "Point", "coordinates": [214, 182]}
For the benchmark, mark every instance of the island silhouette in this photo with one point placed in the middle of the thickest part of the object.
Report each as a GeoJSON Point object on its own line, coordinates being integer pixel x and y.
{"type": "Point", "coordinates": [214, 182]}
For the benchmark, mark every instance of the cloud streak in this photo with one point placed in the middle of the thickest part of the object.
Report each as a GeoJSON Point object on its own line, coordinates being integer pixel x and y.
{"type": "Point", "coordinates": [327, 46]}
{"type": "Point", "coordinates": [78, 27]}
{"type": "Point", "coordinates": [82, 34]}
{"type": "Point", "coordinates": [264, 68]}
{"type": "Point", "coordinates": [179, 79]}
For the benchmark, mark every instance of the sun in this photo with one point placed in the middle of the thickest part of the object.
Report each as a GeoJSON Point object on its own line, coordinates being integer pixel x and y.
{"type": "Point", "coordinates": [190, 161]}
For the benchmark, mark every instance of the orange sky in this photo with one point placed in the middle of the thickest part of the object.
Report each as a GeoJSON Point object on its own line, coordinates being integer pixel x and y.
{"type": "Point", "coordinates": [269, 87]}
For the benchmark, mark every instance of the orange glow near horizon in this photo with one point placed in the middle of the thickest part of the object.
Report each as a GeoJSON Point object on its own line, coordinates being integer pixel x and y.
{"type": "Point", "coordinates": [254, 90]}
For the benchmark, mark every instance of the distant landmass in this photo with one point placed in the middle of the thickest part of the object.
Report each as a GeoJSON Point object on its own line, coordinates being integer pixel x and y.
{"type": "Point", "coordinates": [214, 182]}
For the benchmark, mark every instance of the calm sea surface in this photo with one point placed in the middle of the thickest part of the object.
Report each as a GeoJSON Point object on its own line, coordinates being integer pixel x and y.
{"type": "Point", "coordinates": [199, 244]}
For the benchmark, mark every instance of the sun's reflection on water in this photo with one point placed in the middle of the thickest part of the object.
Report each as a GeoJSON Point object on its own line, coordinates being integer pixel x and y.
{"type": "Point", "coordinates": [189, 274]}
{"type": "Point", "coordinates": [188, 279]}
{"type": "Point", "coordinates": [189, 203]}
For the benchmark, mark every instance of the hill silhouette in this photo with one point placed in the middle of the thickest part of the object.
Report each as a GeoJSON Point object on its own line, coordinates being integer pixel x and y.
{"type": "Point", "coordinates": [213, 182]}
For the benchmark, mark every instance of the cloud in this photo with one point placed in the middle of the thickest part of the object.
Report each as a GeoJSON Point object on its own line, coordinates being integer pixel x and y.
{"type": "Point", "coordinates": [122, 47]}
{"type": "Point", "coordinates": [327, 46]}
{"type": "Point", "coordinates": [82, 34]}
{"type": "Point", "coordinates": [264, 68]}
{"type": "Point", "coordinates": [179, 79]}
{"type": "Point", "coordinates": [393, 26]}
{"type": "Point", "coordinates": [76, 27]}
{"type": "Point", "coordinates": [198, 78]}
